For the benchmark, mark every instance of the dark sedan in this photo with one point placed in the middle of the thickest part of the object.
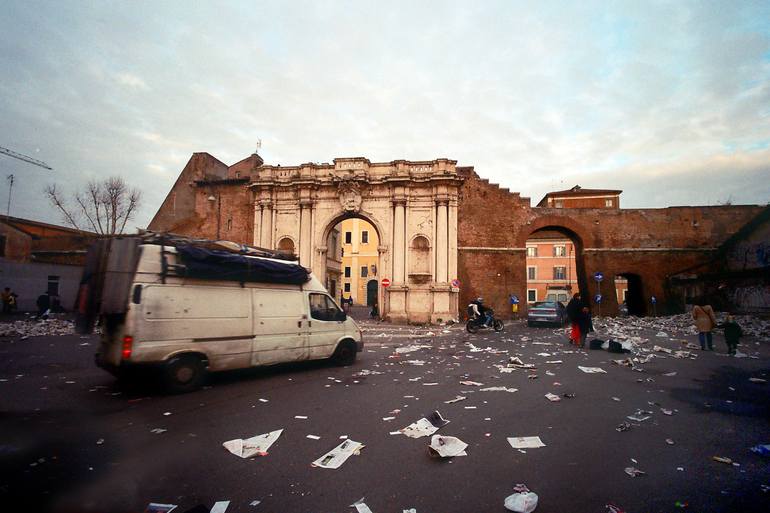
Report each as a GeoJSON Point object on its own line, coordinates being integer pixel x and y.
{"type": "Point", "coordinates": [546, 312]}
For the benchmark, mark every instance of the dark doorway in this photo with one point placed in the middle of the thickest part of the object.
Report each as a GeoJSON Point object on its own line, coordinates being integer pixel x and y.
{"type": "Point", "coordinates": [371, 292]}
{"type": "Point", "coordinates": [634, 296]}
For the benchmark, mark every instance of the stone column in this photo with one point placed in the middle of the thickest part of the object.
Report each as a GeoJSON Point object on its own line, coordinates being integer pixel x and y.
{"type": "Point", "coordinates": [305, 234]}
{"type": "Point", "coordinates": [399, 241]}
{"type": "Point", "coordinates": [442, 247]}
{"type": "Point", "coordinates": [257, 224]}
{"type": "Point", "coordinates": [266, 237]}
{"type": "Point", "coordinates": [320, 265]}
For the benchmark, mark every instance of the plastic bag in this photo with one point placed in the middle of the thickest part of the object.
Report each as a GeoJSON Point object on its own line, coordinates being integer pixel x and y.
{"type": "Point", "coordinates": [521, 502]}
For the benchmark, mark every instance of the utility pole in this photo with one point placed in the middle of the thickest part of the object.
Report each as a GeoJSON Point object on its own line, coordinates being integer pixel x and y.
{"type": "Point", "coordinates": [11, 178]}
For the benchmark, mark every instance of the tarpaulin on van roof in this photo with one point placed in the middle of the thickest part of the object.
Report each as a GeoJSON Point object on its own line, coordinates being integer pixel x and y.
{"type": "Point", "coordinates": [221, 265]}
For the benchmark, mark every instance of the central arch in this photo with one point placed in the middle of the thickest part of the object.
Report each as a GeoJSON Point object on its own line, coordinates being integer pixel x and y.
{"type": "Point", "coordinates": [412, 206]}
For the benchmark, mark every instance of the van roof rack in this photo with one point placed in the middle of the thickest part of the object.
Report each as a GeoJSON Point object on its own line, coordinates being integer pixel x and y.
{"type": "Point", "coordinates": [174, 239]}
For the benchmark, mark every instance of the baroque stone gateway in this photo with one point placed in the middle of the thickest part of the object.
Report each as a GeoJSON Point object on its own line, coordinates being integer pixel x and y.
{"type": "Point", "coordinates": [446, 235]}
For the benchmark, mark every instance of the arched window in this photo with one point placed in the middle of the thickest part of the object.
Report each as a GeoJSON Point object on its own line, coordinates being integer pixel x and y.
{"type": "Point", "coordinates": [286, 246]}
{"type": "Point", "coordinates": [420, 256]}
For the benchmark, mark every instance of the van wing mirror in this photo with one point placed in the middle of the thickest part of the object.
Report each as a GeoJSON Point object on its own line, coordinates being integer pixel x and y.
{"type": "Point", "coordinates": [341, 315]}
{"type": "Point", "coordinates": [136, 296]}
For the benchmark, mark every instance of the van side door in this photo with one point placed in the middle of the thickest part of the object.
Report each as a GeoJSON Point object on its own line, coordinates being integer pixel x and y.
{"type": "Point", "coordinates": [325, 327]}
{"type": "Point", "coordinates": [280, 326]}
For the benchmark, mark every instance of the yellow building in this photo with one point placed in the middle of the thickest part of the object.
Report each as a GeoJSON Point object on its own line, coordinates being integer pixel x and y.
{"type": "Point", "coordinates": [359, 261]}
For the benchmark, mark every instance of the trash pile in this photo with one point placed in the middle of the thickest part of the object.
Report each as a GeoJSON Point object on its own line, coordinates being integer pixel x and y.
{"type": "Point", "coordinates": [37, 328]}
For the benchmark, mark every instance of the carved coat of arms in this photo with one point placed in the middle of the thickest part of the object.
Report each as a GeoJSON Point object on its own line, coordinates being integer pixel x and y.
{"type": "Point", "coordinates": [350, 196]}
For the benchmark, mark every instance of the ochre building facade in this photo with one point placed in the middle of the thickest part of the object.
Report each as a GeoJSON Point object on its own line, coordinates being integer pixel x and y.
{"type": "Point", "coordinates": [445, 234]}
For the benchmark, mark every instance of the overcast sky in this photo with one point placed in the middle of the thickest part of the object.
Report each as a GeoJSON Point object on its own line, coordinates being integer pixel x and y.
{"type": "Point", "coordinates": [669, 101]}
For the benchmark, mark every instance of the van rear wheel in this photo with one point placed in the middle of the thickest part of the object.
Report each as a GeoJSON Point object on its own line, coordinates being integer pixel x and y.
{"type": "Point", "coordinates": [345, 354]}
{"type": "Point", "coordinates": [184, 373]}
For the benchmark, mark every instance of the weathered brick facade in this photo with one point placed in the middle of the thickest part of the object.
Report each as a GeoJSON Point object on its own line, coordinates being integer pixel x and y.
{"type": "Point", "coordinates": [213, 200]}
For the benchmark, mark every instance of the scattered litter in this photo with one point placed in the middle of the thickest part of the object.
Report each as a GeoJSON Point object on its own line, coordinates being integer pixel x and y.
{"type": "Point", "coordinates": [633, 472]}
{"type": "Point", "coordinates": [337, 456]}
{"type": "Point", "coordinates": [456, 399]}
{"type": "Point", "coordinates": [263, 400]}
{"type": "Point", "coordinates": [301, 417]}
{"type": "Point", "coordinates": [430, 384]}
{"type": "Point", "coordinates": [255, 503]}
{"type": "Point", "coordinates": [640, 416]}
{"type": "Point", "coordinates": [722, 459]}
{"type": "Point", "coordinates": [592, 370]}
{"type": "Point", "coordinates": [446, 446]}
{"type": "Point", "coordinates": [662, 334]}
{"type": "Point", "coordinates": [554, 361]}
{"type": "Point", "coordinates": [670, 374]}
{"type": "Point", "coordinates": [254, 446]}
{"type": "Point", "coordinates": [522, 500]}
{"type": "Point", "coordinates": [313, 437]}
{"type": "Point", "coordinates": [568, 395]}
{"type": "Point", "coordinates": [552, 397]}
{"type": "Point", "coordinates": [664, 411]}
{"type": "Point", "coordinates": [470, 407]}
{"type": "Point", "coordinates": [616, 399]}
{"type": "Point", "coordinates": [412, 348]}
{"type": "Point", "coordinates": [763, 449]}
{"type": "Point", "coordinates": [525, 442]}
{"type": "Point", "coordinates": [157, 431]}
{"type": "Point", "coordinates": [159, 508]}
{"type": "Point", "coordinates": [669, 441]}
{"type": "Point", "coordinates": [426, 426]}
{"type": "Point", "coordinates": [499, 389]}
{"type": "Point", "coordinates": [360, 506]}
{"type": "Point", "coordinates": [471, 383]}
{"type": "Point", "coordinates": [220, 507]}
{"type": "Point", "coordinates": [757, 380]}
{"type": "Point", "coordinates": [623, 426]}
{"type": "Point", "coordinates": [612, 508]}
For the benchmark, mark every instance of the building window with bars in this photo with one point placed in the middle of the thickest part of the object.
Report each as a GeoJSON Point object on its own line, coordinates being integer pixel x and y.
{"type": "Point", "coordinates": [560, 251]}
{"type": "Point", "coordinates": [559, 272]}
{"type": "Point", "coordinates": [532, 251]}
{"type": "Point", "coordinates": [532, 273]}
{"type": "Point", "coordinates": [364, 271]}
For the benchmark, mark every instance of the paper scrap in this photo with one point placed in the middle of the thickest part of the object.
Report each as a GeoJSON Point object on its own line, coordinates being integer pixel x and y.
{"type": "Point", "coordinates": [154, 507]}
{"type": "Point", "coordinates": [592, 370]}
{"type": "Point", "coordinates": [499, 389]}
{"type": "Point", "coordinates": [552, 397]}
{"type": "Point", "coordinates": [525, 442]}
{"type": "Point", "coordinates": [447, 446]}
{"type": "Point", "coordinates": [426, 426]}
{"type": "Point", "coordinates": [337, 456]}
{"type": "Point", "coordinates": [313, 437]}
{"type": "Point", "coordinates": [360, 506]}
{"type": "Point", "coordinates": [220, 507]}
{"type": "Point", "coordinates": [456, 399]}
{"type": "Point", "coordinates": [254, 446]}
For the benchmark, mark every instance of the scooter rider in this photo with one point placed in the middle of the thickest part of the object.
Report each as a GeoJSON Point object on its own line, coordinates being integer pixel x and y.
{"type": "Point", "coordinates": [478, 310]}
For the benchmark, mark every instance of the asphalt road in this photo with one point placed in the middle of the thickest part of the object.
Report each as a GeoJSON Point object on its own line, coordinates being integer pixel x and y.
{"type": "Point", "coordinates": [73, 440]}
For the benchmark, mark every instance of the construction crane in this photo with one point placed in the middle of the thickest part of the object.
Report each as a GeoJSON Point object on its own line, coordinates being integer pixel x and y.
{"type": "Point", "coordinates": [11, 178]}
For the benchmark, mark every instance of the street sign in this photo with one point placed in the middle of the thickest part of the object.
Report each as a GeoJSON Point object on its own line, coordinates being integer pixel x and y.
{"type": "Point", "coordinates": [456, 283]}
{"type": "Point", "coordinates": [385, 282]}
{"type": "Point", "coordinates": [599, 276]}
{"type": "Point", "coordinates": [514, 299]}
{"type": "Point", "coordinates": [598, 298]}
{"type": "Point", "coordinates": [653, 300]}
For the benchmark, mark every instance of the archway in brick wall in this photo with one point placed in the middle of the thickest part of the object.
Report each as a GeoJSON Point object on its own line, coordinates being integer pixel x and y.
{"type": "Point", "coordinates": [555, 264]}
{"type": "Point", "coordinates": [634, 295]}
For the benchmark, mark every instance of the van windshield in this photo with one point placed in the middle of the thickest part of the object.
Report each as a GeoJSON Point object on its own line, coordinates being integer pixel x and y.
{"type": "Point", "coordinates": [323, 308]}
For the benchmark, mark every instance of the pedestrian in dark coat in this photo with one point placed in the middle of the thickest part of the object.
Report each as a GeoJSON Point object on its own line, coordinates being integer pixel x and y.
{"type": "Point", "coordinates": [733, 333]}
{"type": "Point", "coordinates": [579, 316]}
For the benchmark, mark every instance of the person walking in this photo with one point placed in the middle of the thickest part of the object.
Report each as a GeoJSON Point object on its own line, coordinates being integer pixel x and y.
{"type": "Point", "coordinates": [43, 305]}
{"type": "Point", "coordinates": [9, 300]}
{"type": "Point", "coordinates": [733, 333]}
{"type": "Point", "coordinates": [579, 318]}
{"type": "Point", "coordinates": [705, 321]}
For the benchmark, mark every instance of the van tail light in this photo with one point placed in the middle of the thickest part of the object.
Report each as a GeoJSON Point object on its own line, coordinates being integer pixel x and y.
{"type": "Point", "coordinates": [128, 342]}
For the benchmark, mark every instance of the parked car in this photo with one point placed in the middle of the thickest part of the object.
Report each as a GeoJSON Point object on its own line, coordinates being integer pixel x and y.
{"type": "Point", "coordinates": [546, 312]}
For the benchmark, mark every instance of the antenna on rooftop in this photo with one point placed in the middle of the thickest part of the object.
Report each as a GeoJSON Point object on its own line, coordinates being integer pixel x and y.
{"type": "Point", "coordinates": [259, 145]}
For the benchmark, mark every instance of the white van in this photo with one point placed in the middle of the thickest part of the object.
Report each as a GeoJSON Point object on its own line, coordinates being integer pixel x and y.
{"type": "Point", "coordinates": [159, 308]}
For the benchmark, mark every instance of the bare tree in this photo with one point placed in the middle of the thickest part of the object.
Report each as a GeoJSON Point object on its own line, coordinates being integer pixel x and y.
{"type": "Point", "coordinates": [103, 206]}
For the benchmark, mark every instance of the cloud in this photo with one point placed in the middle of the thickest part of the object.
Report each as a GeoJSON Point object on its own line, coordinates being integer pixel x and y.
{"type": "Point", "coordinates": [668, 102]}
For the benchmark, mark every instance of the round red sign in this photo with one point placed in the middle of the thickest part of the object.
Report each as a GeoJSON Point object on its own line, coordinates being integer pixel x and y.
{"type": "Point", "coordinates": [385, 282]}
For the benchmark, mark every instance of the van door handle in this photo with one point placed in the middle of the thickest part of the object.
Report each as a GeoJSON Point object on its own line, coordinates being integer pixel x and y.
{"type": "Point", "coordinates": [299, 324]}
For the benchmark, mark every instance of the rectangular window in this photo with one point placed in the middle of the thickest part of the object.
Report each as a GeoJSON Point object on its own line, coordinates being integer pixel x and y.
{"type": "Point", "coordinates": [347, 272]}
{"type": "Point", "coordinates": [608, 203]}
{"type": "Point", "coordinates": [53, 285]}
{"type": "Point", "coordinates": [559, 273]}
{"type": "Point", "coordinates": [364, 237]}
{"type": "Point", "coordinates": [364, 271]}
{"type": "Point", "coordinates": [347, 287]}
{"type": "Point", "coordinates": [532, 251]}
{"type": "Point", "coordinates": [323, 308]}
{"type": "Point", "coordinates": [374, 270]}
{"type": "Point", "coordinates": [559, 251]}
{"type": "Point", "coordinates": [531, 295]}
{"type": "Point", "coordinates": [531, 273]}
{"type": "Point", "coordinates": [348, 237]}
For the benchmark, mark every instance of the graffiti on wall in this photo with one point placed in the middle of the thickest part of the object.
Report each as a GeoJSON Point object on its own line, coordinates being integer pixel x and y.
{"type": "Point", "coordinates": [750, 255]}
{"type": "Point", "coordinates": [752, 298]}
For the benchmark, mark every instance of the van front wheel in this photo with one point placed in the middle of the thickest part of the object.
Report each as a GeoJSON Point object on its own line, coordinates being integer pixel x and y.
{"type": "Point", "coordinates": [184, 373]}
{"type": "Point", "coordinates": [345, 354]}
